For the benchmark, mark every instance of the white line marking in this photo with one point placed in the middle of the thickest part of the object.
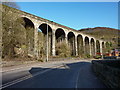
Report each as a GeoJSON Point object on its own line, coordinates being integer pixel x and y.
{"type": "Point", "coordinates": [13, 69]}
{"type": "Point", "coordinates": [29, 76]}
{"type": "Point", "coordinates": [20, 68]}
{"type": "Point", "coordinates": [26, 77]}
{"type": "Point", "coordinates": [15, 81]}
{"type": "Point", "coordinates": [76, 86]}
{"type": "Point", "coordinates": [38, 65]}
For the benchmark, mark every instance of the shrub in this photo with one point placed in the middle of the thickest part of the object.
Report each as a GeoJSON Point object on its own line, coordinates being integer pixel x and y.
{"type": "Point", "coordinates": [97, 56]}
{"type": "Point", "coordinates": [41, 60]}
{"type": "Point", "coordinates": [62, 49]}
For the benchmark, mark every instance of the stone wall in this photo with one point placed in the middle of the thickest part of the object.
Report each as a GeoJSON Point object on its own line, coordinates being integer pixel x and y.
{"type": "Point", "coordinates": [108, 71]}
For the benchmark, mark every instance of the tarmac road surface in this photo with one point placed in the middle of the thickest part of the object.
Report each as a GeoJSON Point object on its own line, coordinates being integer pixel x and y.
{"type": "Point", "coordinates": [65, 75]}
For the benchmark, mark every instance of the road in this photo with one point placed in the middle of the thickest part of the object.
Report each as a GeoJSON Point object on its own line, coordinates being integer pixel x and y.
{"type": "Point", "coordinates": [63, 75]}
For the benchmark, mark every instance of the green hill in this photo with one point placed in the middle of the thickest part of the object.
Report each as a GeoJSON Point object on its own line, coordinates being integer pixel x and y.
{"type": "Point", "coordinates": [105, 33]}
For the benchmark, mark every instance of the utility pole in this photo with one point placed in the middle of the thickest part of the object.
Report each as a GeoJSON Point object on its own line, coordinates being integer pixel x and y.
{"type": "Point", "coordinates": [47, 43]}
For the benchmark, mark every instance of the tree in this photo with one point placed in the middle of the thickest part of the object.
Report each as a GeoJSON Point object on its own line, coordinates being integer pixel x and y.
{"type": "Point", "coordinates": [8, 29]}
{"type": "Point", "coordinates": [62, 49]}
{"type": "Point", "coordinates": [11, 3]}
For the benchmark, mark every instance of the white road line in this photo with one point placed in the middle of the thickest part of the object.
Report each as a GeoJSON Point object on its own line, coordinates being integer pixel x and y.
{"type": "Point", "coordinates": [15, 81]}
{"type": "Point", "coordinates": [18, 68]}
{"type": "Point", "coordinates": [30, 66]}
{"type": "Point", "coordinates": [29, 76]}
{"type": "Point", "coordinates": [13, 69]}
{"type": "Point", "coordinates": [76, 86]}
{"type": "Point", "coordinates": [26, 77]}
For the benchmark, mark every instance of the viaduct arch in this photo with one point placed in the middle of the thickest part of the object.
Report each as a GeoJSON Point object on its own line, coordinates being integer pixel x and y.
{"type": "Point", "coordinates": [78, 42]}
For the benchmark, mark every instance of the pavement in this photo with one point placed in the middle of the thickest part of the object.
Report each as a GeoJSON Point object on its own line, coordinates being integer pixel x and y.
{"type": "Point", "coordinates": [59, 74]}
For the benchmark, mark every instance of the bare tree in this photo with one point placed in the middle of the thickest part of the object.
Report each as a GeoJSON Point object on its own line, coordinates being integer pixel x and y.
{"type": "Point", "coordinates": [11, 3]}
{"type": "Point", "coordinates": [8, 28]}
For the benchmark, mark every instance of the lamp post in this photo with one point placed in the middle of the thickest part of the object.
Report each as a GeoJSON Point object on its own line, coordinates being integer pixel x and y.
{"type": "Point", "coordinates": [47, 43]}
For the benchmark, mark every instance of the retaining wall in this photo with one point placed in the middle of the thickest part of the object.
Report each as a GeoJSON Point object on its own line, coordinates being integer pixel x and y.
{"type": "Point", "coordinates": [108, 71]}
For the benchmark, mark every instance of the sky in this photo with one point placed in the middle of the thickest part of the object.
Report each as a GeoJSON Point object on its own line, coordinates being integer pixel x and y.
{"type": "Point", "coordinates": [76, 15]}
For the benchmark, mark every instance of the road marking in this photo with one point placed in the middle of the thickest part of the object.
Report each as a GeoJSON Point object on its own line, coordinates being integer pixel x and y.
{"type": "Point", "coordinates": [27, 77]}
{"type": "Point", "coordinates": [38, 64]}
{"type": "Point", "coordinates": [76, 86]}
{"type": "Point", "coordinates": [13, 69]}
{"type": "Point", "coordinates": [15, 81]}
{"type": "Point", "coordinates": [26, 67]}
{"type": "Point", "coordinates": [17, 68]}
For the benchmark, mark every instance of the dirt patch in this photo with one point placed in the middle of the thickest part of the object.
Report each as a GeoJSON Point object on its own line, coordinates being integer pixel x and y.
{"type": "Point", "coordinates": [8, 62]}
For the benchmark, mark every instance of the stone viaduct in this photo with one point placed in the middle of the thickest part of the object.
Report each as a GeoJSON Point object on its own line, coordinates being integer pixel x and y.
{"type": "Point", "coordinates": [78, 42]}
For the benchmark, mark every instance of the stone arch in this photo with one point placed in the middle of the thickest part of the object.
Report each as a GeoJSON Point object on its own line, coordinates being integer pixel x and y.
{"type": "Point", "coordinates": [80, 45]}
{"type": "Point", "coordinates": [23, 33]}
{"type": "Point", "coordinates": [43, 30]}
{"type": "Point", "coordinates": [71, 42]}
{"type": "Point", "coordinates": [29, 25]}
{"type": "Point", "coordinates": [98, 47]}
{"type": "Point", "coordinates": [103, 48]}
{"type": "Point", "coordinates": [28, 22]}
{"type": "Point", "coordinates": [41, 43]}
{"type": "Point", "coordinates": [107, 45]}
{"type": "Point", "coordinates": [43, 27]}
{"type": "Point", "coordinates": [92, 41]}
{"type": "Point", "coordinates": [60, 35]}
{"type": "Point", "coordinates": [87, 47]}
{"type": "Point", "coordinates": [60, 41]}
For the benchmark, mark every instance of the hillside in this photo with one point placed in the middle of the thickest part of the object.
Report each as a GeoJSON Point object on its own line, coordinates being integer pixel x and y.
{"type": "Point", "coordinates": [104, 33]}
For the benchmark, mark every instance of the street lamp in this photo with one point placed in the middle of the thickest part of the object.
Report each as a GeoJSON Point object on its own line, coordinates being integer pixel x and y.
{"type": "Point", "coordinates": [47, 43]}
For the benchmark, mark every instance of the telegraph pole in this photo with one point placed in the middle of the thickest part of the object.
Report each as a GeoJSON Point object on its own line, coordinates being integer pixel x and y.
{"type": "Point", "coordinates": [47, 43]}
